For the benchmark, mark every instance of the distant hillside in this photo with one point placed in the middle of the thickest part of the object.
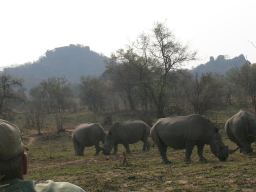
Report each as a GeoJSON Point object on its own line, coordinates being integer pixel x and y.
{"type": "Point", "coordinates": [71, 61]}
{"type": "Point", "coordinates": [220, 65]}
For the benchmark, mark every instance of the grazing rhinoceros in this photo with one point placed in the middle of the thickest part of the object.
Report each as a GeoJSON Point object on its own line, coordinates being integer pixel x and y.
{"type": "Point", "coordinates": [126, 133]}
{"type": "Point", "coordinates": [184, 132]}
{"type": "Point", "coordinates": [86, 135]}
{"type": "Point", "coordinates": [241, 129]}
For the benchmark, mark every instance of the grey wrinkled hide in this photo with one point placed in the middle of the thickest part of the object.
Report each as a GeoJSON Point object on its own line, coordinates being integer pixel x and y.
{"type": "Point", "coordinates": [185, 132]}
{"type": "Point", "coordinates": [87, 135]}
{"type": "Point", "coordinates": [241, 129]}
{"type": "Point", "coordinates": [126, 133]}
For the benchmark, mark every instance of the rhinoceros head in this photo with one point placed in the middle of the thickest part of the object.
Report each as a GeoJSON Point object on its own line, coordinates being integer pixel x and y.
{"type": "Point", "coordinates": [108, 143]}
{"type": "Point", "coordinates": [218, 148]}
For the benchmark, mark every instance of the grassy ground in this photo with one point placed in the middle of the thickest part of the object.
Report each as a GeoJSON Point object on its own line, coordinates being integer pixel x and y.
{"type": "Point", "coordinates": [52, 157]}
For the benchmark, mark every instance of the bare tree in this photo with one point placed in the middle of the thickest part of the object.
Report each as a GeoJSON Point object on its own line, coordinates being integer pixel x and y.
{"type": "Point", "coordinates": [9, 92]}
{"type": "Point", "coordinates": [142, 71]}
{"type": "Point", "coordinates": [57, 96]}
{"type": "Point", "coordinates": [204, 92]}
{"type": "Point", "coordinates": [123, 71]}
{"type": "Point", "coordinates": [165, 54]}
{"type": "Point", "coordinates": [245, 81]}
{"type": "Point", "coordinates": [37, 108]}
{"type": "Point", "coordinates": [92, 93]}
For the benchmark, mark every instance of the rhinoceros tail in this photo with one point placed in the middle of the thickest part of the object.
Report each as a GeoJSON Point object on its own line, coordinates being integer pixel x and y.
{"type": "Point", "coordinates": [154, 135]}
{"type": "Point", "coordinates": [226, 126]}
{"type": "Point", "coordinates": [230, 135]}
{"type": "Point", "coordinates": [227, 129]}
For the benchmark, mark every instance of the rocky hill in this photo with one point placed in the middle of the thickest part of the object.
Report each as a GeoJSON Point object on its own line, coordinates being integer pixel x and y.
{"type": "Point", "coordinates": [71, 62]}
{"type": "Point", "coordinates": [220, 65]}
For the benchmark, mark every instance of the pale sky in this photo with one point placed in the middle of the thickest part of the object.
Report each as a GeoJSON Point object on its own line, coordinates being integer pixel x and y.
{"type": "Point", "coordinates": [211, 27]}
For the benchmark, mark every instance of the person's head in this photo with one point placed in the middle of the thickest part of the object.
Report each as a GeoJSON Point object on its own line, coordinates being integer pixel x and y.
{"type": "Point", "coordinates": [13, 160]}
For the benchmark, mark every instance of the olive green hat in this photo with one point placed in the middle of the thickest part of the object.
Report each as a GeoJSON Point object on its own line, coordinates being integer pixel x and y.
{"type": "Point", "coordinates": [10, 141]}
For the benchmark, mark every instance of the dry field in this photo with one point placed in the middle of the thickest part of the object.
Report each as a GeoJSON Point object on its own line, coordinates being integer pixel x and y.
{"type": "Point", "coordinates": [52, 157]}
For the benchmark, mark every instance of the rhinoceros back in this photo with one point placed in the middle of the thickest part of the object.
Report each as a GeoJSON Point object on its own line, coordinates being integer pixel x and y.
{"type": "Point", "coordinates": [177, 131]}
{"type": "Point", "coordinates": [88, 133]}
{"type": "Point", "coordinates": [130, 131]}
{"type": "Point", "coordinates": [242, 125]}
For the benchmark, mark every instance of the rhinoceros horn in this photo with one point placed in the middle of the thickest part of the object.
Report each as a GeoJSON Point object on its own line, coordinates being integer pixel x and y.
{"type": "Point", "coordinates": [231, 151]}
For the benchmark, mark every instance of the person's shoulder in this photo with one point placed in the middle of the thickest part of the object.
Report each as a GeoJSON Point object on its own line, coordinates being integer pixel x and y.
{"type": "Point", "coordinates": [51, 186]}
{"type": "Point", "coordinates": [16, 185]}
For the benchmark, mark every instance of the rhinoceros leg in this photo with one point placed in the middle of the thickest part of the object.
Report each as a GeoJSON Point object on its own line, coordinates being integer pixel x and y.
{"type": "Point", "coordinates": [235, 140]}
{"type": "Point", "coordinates": [200, 149]}
{"type": "Point", "coordinates": [145, 145]}
{"type": "Point", "coordinates": [78, 147]}
{"type": "Point", "coordinates": [245, 147]}
{"type": "Point", "coordinates": [189, 149]}
{"type": "Point", "coordinates": [163, 149]}
{"type": "Point", "coordinates": [243, 144]}
{"type": "Point", "coordinates": [80, 150]}
{"type": "Point", "coordinates": [127, 148]}
{"type": "Point", "coordinates": [115, 148]}
{"type": "Point", "coordinates": [98, 148]}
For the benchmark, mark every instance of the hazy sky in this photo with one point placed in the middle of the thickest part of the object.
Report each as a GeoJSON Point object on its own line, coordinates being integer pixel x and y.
{"type": "Point", "coordinates": [211, 27]}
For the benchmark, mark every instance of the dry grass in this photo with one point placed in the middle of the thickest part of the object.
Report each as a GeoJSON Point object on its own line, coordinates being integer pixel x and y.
{"type": "Point", "coordinates": [53, 158]}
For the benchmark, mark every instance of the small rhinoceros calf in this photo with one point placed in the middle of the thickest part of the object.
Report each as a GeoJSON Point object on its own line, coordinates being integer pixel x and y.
{"type": "Point", "coordinates": [126, 133]}
{"type": "Point", "coordinates": [241, 129]}
{"type": "Point", "coordinates": [185, 132]}
{"type": "Point", "coordinates": [87, 135]}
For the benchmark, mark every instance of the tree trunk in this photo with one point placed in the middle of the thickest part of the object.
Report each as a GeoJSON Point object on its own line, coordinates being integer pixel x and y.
{"type": "Point", "coordinates": [59, 122]}
{"type": "Point", "coordinates": [160, 111]}
{"type": "Point", "coordinates": [161, 103]}
{"type": "Point", "coordinates": [253, 98]}
{"type": "Point", "coordinates": [130, 100]}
